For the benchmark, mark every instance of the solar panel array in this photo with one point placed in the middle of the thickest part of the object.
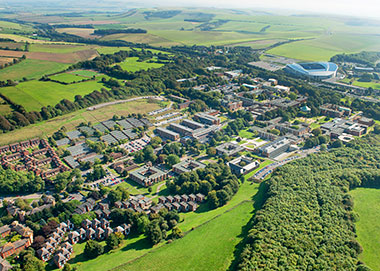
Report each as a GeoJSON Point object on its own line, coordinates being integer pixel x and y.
{"type": "Point", "coordinates": [125, 124]}
{"type": "Point", "coordinates": [110, 124]}
{"type": "Point", "coordinates": [73, 134]}
{"type": "Point", "coordinates": [88, 130]}
{"type": "Point", "coordinates": [109, 139]}
{"type": "Point", "coordinates": [79, 149]}
{"type": "Point", "coordinates": [119, 135]}
{"type": "Point", "coordinates": [62, 142]}
{"type": "Point", "coordinates": [101, 128]}
{"type": "Point", "coordinates": [135, 122]}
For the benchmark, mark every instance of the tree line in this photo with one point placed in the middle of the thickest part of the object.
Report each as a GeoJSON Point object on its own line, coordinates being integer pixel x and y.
{"type": "Point", "coordinates": [307, 220]}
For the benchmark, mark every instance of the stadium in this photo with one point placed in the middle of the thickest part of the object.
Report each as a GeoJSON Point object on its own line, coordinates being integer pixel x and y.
{"type": "Point", "coordinates": [315, 70]}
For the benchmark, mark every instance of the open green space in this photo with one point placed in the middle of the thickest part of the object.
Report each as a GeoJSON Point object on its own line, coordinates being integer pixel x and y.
{"type": "Point", "coordinates": [373, 84]}
{"type": "Point", "coordinates": [84, 73]}
{"type": "Point", "coordinates": [35, 94]}
{"type": "Point", "coordinates": [367, 205]}
{"type": "Point", "coordinates": [31, 69]}
{"type": "Point", "coordinates": [58, 48]}
{"type": "Point", "coordinates": [67, 78]}
{"type": "Point", "coordinates": [131, 64]}
{"type": "Point", "coordinates": [209, 247]}
{"type": "Point", "coordinates": [246, 134]}
{"type": "Point", "coordinates": [324, 47]}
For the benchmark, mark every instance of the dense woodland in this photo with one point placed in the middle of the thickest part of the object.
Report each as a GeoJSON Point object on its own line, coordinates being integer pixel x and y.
{"type": "Point", "coordinates": [307, 220]}
{"type": "Point", "coordinates": [365, 58]}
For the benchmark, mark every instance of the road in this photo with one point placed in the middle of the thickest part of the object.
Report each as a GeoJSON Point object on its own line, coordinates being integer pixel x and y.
{"type": "Point", "coordinates": [264, 172]}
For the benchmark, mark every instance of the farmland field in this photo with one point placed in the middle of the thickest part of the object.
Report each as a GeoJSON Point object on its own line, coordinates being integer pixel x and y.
{"type": "Point", "coordinates": [67, 78]}
{"type": "Point", "coordinates": [81, 32]}
{"type": "Point", "coordinates": [35, 94]}
{"type": "Point", "coordinates": [367, 205]}
{"type": "Point", "coordinates": [131, 64]}
{"type": "Point", "coordinates": [325, 47]}
{"type": "Point", "coordinates": [84, 73]}
{"type": "Point", "coordinates": [56, 57]}
{"type": "Point", "coordinates": [31, 68]}
{"type": "Point", "coordinates": [59, 48]}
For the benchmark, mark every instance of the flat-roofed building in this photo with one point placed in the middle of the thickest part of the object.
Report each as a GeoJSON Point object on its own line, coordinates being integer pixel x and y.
{"type": "Point", "coordinates": [207, 119]}
{"type": "Point", "coordinates": [148, 175]}
{"type": "Point", "coordinates": [187, 166]}
{"type": "Point", "coordinates": [183, 130]}
{"type": "Point", "coordinates": [229, 149]}
{"type": "Point", "coordinates": [165, 133]}
{"type": "Point", "coordinates": [243, 165]}
{"type": "Point", "coordinates": [192, 124]}
{"type": "Point", "coordinates": [275, 148]}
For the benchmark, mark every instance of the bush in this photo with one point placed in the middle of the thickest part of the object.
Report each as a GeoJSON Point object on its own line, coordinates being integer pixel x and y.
{"type": "Point", "coordinates": [93, 249]}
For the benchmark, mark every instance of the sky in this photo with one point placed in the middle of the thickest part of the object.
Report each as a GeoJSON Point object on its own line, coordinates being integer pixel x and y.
{"type": "Point", "coordinates": [357, 8]}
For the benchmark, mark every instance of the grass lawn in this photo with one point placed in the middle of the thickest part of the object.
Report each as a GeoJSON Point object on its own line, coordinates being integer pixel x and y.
{"type": "Point", "coordinates": [246, 134]}
{"type": "Point", "coordinates": [374, 85]}
{"type": "Point", "coordinates": [31, 69]}
{"type": "Point", "coordinates": [210, 245]}
{"type": "Point", "coordinates": [35, 94]}
{"type": "Point", "coordinates": [84, 73]}
{"type": "Point", "coordinates": [70, 121]}
{"type": "Point", "coordinates": [131, 64]}
{"type": "Point", "coordinates": [367, 205]}
{"type": "Point", "coordinates": [66, 77]}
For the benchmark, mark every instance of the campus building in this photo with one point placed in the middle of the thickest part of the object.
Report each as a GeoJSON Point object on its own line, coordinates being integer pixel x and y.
{"type": "Point", "coordinates": [165, 133]}
{"type": "Point", "coordinates": [187, 166]}
{"type": "Point", "coordinates": [229, 149]}
{"type": "Point", "coordinates": [275, 148]}
{"type": "Point", "coordinates": [148, 175]}
{"type": "Point", "coordinates": [243, 165]}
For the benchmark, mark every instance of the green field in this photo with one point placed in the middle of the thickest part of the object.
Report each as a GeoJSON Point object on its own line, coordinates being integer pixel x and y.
{"type": "Point", "coordinates": [374, 85]}
{"type": "Point", "coordinates": [67, 78]}
{"type": "Point", "coordinates": [31, 69]}
{"type": "Point", "coordinates": [35, 94]}
{"type": "Point", "coordinates": [246, 134]}
{"type": "Point", "coordinates": [58, 48]}
{"type": "Point", "coordinates": [131, 64]}
{"type": "Point", "coordinates": [84, 73]}
{"type": "Point", "coordinates": [367, 205]}
{"type": "Point", "coordinates": [209, 247]}
{"type": "Point", "coordinates": [324, 47]}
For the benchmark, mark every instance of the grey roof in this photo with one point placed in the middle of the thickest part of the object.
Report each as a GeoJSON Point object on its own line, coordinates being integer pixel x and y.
{"type": "Point", "coordinates": [135, 122]}
{"type": "Point", "coordinates": [146, 122]}
{"type": "Point", "coordinates": [63, 141]}
{"type": "Point", "coordinates": [73, 134]}
{"type": "Point", "coordinates": [71, 161]}
{"type": "Point", "coordinates": [119, 135]}
{"type": "Point", "coordinates": [125, 124]}
{"type": "Point", "coordinates": [100, 127]}
{"type": "Point", "coordinates": [79, 149]}
{"type": "Point", "coordinates": [85, 129]}
{"type": "Point", "coordinates": [109, 123]}
{"type": "Point", "coordinates": [130, 134]}
{"type": "Point", "coordinates": [109, 139]}
{"type": "Point", "coordinates": [92, 158]}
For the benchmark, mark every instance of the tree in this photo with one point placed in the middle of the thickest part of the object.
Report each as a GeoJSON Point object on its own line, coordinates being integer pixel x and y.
{"type": "Point", "coordinates": [67, 267]}
{"type": "Point", "coordinates": [113, 241]}
{"type": "Point", "coordinates": [211, 151]}
{"type": "Point", "coordinates": [93, 249]}
{"type": "Point", "coordinates": [212, 200]}
{"type": "Point", "coordinates": [114, 196]}
{"type": "Point", "coordinates": [154, 233]}
{"type": "Point", "coordinates": [176, 233]}
{"type": "Point", "coordinates": [316, 132]}
{"type": "Point", "coordinates": [337, 144]}
{"type": "Point", "coordinates": [172, 159]}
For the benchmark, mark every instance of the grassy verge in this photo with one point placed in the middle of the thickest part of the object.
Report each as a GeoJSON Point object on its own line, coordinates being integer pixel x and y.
{"type": "Point", "coordinates": [367, 205]}
{"type": "Point", "coordinates": [209, 246]}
